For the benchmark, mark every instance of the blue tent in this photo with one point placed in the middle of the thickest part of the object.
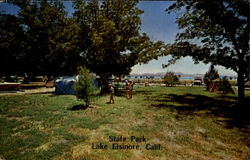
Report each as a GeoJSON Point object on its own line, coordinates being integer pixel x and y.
{"type": "Point", "coordinates": [64, 85]}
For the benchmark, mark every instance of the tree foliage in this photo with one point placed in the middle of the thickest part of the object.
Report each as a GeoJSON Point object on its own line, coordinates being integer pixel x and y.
{"type": "Point", "coordinates": [104, 36]}
{"type": "Point", "coordinates": [11, 44]}
{"type": "Point", "coordinates": [225, 86]}
{"type": "Point", "coordinates": [216, 32]}
{"type": "Point", "coordinates": [115, 43]}
{"type": "Point", "coordinates": [44, 40]}
{"type": "Point", "coordinates": [85, 88]}
{"type": "Point", "coordinates": [170, 79]}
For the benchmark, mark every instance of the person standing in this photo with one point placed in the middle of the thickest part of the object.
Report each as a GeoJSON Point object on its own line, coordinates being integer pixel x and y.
{"type": "Point", "coordinates": [127, 89]}
{"type": "Point", "coordinates": [111, 93]}
{"type": "Point", "coordinates": [131, 87]}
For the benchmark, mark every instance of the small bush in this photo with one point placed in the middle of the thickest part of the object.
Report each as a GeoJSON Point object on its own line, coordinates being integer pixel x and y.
{"type": "Point", "coordinates": [170, 79]}
{"type": "Point", "coordinates": [225, 86]}
{"type": "Point", "coordinates": [85, 88]}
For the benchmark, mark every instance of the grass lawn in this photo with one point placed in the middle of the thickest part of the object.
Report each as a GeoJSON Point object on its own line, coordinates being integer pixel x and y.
{"type": "Point", "coordinates": [187, 123]}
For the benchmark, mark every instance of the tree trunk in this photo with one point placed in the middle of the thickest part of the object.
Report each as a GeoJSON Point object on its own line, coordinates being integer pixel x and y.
{"type": "Point", "coordinates": [241, 86]}
{"type": "Point", "coordinates": [105, 84]}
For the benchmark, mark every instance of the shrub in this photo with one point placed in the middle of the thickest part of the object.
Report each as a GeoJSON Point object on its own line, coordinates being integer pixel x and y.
{"type": "Point", "coordinates": [170, 79]}
{"type": "Point", "coordinates": [225, 86]}
{"type": "Point", "coordinates": [85, 88]}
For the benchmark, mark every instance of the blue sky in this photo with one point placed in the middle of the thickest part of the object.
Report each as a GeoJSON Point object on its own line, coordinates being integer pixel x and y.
{"type": "Point", "coordinates": [159, 25]}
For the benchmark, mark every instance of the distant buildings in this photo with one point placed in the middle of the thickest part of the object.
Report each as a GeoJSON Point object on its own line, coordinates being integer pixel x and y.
{"type": "Point", "coordinates": [160, 75]}
{"type": "Point", "coordinates": [145, 76]}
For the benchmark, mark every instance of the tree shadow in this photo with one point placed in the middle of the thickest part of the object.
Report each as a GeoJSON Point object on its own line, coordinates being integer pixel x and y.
{"type": "Point", "coordinates": [223, 108]}
{"type": "Point", "coordinates": [47, 92]}
{"type": "Point", "coordinates": [78, 107]}
{"type": "Point", "coordinates": [143, 92]}
{"type": "Point", "coordinates": [120, 93]}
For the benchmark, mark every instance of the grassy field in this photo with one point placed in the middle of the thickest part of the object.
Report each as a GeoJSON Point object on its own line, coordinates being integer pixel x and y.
{"type": "Point", "coordinates": [187, 123]}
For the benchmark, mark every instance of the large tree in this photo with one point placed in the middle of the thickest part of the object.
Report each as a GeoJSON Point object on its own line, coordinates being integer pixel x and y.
{"type": "Point", "coordinates": [103, 36]}
{"type": "Point", "coordinates": [48, 33]}
{"type": "Point", "coordinates": [216, 32]}
{"type": "Point", "coordinates": [11, 44]}
{"type": "Point", "coordinates": [42, 41]}
{"type": "Point", "coordinates": [115, 43]}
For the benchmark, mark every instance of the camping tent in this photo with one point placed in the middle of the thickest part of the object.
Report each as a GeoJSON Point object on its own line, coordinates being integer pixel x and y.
{"type": "Point", "coordinates": [64, 85]}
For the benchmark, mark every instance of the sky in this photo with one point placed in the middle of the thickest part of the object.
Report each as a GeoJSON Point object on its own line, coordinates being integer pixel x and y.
{"type": "Point", "coordinates": [159, 25]}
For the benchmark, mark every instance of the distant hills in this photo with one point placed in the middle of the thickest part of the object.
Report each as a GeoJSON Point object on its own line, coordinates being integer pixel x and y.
{"type": "Point", "coordinates": [161, 74]}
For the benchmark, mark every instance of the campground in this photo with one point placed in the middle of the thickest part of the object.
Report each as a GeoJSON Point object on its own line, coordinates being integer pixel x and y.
{"type": "Point", "coordinates": [187, 122]}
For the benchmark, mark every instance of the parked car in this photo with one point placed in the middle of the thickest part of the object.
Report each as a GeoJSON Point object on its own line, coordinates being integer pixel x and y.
{"type": "Point", "coordinates": [197, 82]}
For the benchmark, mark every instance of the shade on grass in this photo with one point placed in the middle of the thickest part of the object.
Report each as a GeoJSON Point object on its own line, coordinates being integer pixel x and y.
{"type": "Point", "coordinates": [188, 123]}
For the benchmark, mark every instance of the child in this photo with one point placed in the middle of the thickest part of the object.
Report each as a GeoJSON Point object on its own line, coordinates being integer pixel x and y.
{"type": "Point", "coordinates": [112, 92]}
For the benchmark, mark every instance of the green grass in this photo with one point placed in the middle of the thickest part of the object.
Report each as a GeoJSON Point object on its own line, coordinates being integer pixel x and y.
{"type": "Point", "coordinates": [188, 123]}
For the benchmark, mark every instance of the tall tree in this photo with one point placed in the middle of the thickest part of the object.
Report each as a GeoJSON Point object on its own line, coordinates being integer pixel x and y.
{"type": "Point", "coordinates": [216, 32]}
{"type": "Point", "coordinates": [116, 44]}
{"type": "Point", "coordinates": [48, 39]}
{"type": "Point", "coordinates": [104, 36]}
{"type": "Point", "coordinates": [11, 44]}
{"type": "Point", "coordinates": [45, 26]}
